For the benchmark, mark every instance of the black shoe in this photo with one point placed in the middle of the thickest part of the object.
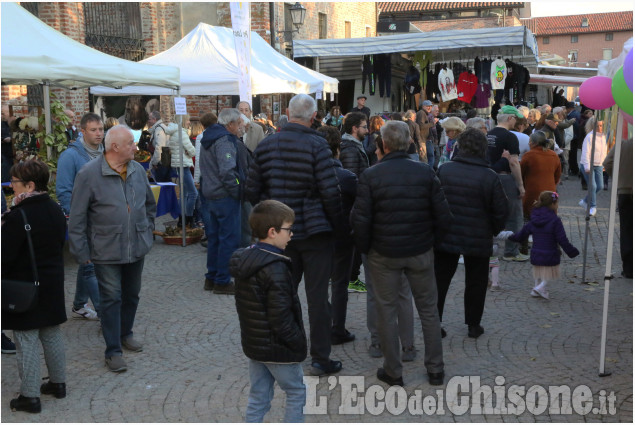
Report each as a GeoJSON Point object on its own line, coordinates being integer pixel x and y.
{"type": "Point", "coordinates": [321, 369]}
{"type": "Point", "coordinates": [628, 275]}
{"type": "Point", "coordinates": [227, 289]}
{"type": "Point", "coordinates": [209, 285]}
{"type": "Point", "coordinates": [26, 404]}
{"type": "Point", "coordinates": [58, 390]}
{"type": "Point", "coordinates": [204, 243]}
{"type": "Point", "coordinates": [436, 378]}
{"type": "Point", "coordinates": [443, 333]}
{"type": "Point", "coordinates": [585, 188]}
{"type": "Point", "coordinates": [474, 331]}
{"type": "Point", "coordinates": [342, 339]}
{"type": "Point", "coordinates": [8, 346]}
{"type": "Point", "coordinates": [384, 377]}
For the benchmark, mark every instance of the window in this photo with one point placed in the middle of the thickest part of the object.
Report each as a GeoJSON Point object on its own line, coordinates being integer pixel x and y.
{"type": "Point", "coordinates": [368, 31]}
{"type": "Point", "coordinates": [607, 54]}
{"type": "Point", "coordinates": [545, 40]}
{"type": "Point", "coordinates": [347, 29]}
{"type": "Point", "coordinates": [322, 25]}
{"type": "Point", "coordinates": [608, 36]}
{"type": "Point", "coordinates": [574, 38]}
{"type": "Point", "coordinates": [573, 56]}
{"type": "Point", "coordinates": [585, 22]}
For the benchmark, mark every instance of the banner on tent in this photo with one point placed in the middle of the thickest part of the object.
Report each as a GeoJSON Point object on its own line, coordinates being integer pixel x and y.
{"type": "Point", "coordinates": [241, 18]}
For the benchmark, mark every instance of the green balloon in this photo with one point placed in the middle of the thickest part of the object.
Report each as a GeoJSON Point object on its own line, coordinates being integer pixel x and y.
{"type": "Point", "coordinates": [622, 95]}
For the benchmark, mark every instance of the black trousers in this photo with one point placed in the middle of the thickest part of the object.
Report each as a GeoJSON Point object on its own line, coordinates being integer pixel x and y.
{"type": "Point", "coordinates": [476, 275]}
{"type": "Point", "coordinates": [342, 263]}
{"type": "Point", "coordinates": [625, 207]}
{"type": "Point", "coordinates": [573, 158]}
{"type": "Point", "coordinates": [355, 267]}
{"type": "Point", "coordinates": [313, 258]}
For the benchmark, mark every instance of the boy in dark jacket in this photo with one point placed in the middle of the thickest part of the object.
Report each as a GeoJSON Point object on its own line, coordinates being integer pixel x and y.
{"type": "Point", "coordinates": [270, 315]}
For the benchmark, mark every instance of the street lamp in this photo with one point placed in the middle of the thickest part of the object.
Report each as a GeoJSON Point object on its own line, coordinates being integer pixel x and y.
{"type": "Point", "coordinates": [298, 13]}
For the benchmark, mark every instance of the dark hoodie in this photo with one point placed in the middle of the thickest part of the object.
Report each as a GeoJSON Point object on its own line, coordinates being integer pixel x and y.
{"type": "Point", "coordinates": [548, 232]}
{"type": "Point", "coordinates": [268, 306]}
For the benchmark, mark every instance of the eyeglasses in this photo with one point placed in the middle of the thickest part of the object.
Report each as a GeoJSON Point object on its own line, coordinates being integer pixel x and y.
{"type": "Point", "coordinates": [14, 181]}
{"type": "Point", "coordinates": [288, 229]}
{"type": "Point", "coordinates": [363, 126]}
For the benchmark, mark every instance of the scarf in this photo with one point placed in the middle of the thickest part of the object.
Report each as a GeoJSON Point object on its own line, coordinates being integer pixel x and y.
{"type": "Point", "coordinates": [22, 196]}
{"type": "Point", "coordinates": [93, 153]}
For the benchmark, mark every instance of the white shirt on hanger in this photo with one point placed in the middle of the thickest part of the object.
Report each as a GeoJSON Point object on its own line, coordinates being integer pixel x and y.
{"type": "Point", "coordinates": [498, 74]}
{"type": "Point", "coordinates": [447, 87]}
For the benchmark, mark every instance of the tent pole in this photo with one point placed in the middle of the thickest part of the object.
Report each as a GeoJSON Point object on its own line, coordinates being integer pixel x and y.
{"type": "Point", "coordinates": [609, 245]}
{"type": "Point", "coordinates": [181, 194]}
{"type": "Point", "coordinates": [590, 184]}
{"type": "Point", "coordinates": [47, 115]}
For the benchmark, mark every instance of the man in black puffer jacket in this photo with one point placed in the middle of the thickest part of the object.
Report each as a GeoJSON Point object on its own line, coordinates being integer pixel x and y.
{"type": "Point", "coordinates": [479, 206]}
{"type": "Point", "coordinates": [295, 167]}
{"type": "Point", "coordinates": [352, 153]}
{"type": "Point", "coordinates": [399, 212]}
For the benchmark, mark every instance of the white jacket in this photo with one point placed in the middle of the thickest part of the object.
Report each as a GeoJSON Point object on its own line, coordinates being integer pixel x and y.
{"type": "Point", "coordinates": [173, 144]}
{"type": "Point", "coordinates": [600, 150]}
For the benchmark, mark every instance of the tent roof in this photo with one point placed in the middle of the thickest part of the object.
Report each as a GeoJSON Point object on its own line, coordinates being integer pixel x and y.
{"type": "Point", "coordinates": [208, 65]}
{"type": "Point", "coordinates": [34, 53]}
{"type": "Point", "coordinates": [512, 41]}
{"type": "Point", "coordinates": [556, 80]}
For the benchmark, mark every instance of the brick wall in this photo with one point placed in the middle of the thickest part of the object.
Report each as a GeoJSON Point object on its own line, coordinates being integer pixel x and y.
{"type": "Point", "coordinates": [589, 46]}
{"type": "Point", "coordinates": [160, 24]}
{"type": "Point", "coordinates": [462, 24]}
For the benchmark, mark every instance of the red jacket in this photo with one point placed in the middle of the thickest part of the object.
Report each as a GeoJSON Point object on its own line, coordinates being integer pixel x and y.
{"type": "Point", "coordinates": [467, 86]}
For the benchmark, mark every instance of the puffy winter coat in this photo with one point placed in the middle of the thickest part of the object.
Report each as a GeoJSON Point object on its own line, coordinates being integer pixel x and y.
{"type": "Point", "coordinates": [269, 310]}
{"type": "Point", "coordinates": [400, 208]}
{"type": "Point", "coordinates": [478, 204]}
{"type": "Point", "coordinates": [352, 155]}
{"type": "Point", "coordinates": [548, 232]}
{"type": "Point", "coordinates": [295, 166]}
{"type": "Point", "coordinates": [48, 227]}
{"type": "Point", "coordinates": [188, 149]}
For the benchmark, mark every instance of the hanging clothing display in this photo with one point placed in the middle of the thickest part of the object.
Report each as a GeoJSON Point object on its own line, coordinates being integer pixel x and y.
{"type": "Point", "coordinates": [482, 95]}
{"type": "Point", "coordinates": [421, 61]}
{"type": "Point", "coordinates": [466, 86]}
{"type": "Point", "coordinates": [411, 81]}
{"type": "Point", "coordinates": [498, 73]}
{"type": "Point", "coordinates": [447, 87]}
{"type": "Point", "coordinates": [384, 73]}
{"type": "Point", "coordinates": [368, 71]}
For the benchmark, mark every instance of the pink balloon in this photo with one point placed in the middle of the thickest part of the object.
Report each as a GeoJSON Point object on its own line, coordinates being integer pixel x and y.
{"type": "Point", "coordinates": [595, 93]}
{"type": "Point", "coordinates": [627, 118]}
{"type": "Point", "coordinates": [628, 70]}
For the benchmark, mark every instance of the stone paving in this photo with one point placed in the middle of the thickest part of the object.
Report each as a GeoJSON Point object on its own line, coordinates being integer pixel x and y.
{"type": "Point", "coordinates": [192, 368]}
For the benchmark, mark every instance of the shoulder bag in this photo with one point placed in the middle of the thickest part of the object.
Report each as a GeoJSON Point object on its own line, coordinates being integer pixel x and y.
{"type": "Point", "coordinates": [19, 296]}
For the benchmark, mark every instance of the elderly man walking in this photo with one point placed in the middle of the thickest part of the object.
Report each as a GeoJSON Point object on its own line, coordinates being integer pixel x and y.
{"type": "Point", "coordinates": [399, 213]}
{"type": "Point", "coordinates": [111, 223]}
{"type": "Point", "coordinates": [295, 167]}
{"type": "Point", "coordinates": [255, 133]}
{"type": "Point", "coordinates": [223, 160]}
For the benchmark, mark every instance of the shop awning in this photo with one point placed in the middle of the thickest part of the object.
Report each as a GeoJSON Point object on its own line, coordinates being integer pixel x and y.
{"type": "Point", "coordinates": [517, 43]}
{"type": "Point", "coordinates": [555, 80]}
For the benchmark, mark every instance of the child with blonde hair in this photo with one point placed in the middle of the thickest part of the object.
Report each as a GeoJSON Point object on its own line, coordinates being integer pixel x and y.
{"type": "Point", "coordinates": [548, 232]}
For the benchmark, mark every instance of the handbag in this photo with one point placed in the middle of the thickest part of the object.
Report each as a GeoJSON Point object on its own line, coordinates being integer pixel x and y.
{"type": "Point", "coordinates": [19, 296]}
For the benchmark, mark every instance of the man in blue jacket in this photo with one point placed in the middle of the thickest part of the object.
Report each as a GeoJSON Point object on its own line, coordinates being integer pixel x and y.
{"type": "Point", "coordinates": [87, 147]}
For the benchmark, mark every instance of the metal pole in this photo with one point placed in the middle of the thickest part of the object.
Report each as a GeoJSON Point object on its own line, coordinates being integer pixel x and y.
{"type": "Point", "coordinates": [181, 194]}
{"type": "Point", "coordinates": [609, 247]}
{"type": "Point", "coordinates": [590, 184]}
{"type": "Point", "coordinates": [47, 115]}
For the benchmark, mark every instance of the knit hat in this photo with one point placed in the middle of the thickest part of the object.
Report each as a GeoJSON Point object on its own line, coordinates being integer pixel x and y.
{"type": "Point", "coordinates": [510, 110]}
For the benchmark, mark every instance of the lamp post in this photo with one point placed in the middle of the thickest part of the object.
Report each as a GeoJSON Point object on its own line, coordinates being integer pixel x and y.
{"type": "Point", "coordinates": [298, 13]}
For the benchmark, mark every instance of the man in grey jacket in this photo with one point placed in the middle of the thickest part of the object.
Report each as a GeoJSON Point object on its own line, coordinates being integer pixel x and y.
{"type": "Point", "coordinates": [111, 223]}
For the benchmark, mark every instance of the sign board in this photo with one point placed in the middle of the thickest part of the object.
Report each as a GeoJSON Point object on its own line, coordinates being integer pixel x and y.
{"type": "Point", "coordinates": [241, 19]}
{"type": "Point", "coordinates": [180, 108]}
{"type": "Point", "coordinates": [393, 27]}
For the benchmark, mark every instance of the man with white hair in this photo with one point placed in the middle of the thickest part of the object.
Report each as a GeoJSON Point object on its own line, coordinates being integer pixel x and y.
{"type": "Point", "coordinates": [400, 212]}
{"type": "Point", "coordinates": [295, 166]}
{"type": "Point", "coordinates": [71, 131]}
{"type": "Point", "coordinates": [224, 170]}
{"type": "Point", "coordinates": [254, 133]}
{"type": "Point", "coordinates": [500, 139]}
{"type": "Point", "coordinates": [111, 223]}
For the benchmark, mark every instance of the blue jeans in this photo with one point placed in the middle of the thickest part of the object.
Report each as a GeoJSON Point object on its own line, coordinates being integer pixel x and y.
{"type": "Point", "coordinates": [289, 378]}
{"type": "Point", "coordinates": [189, 190]}
{"type": "Point", "coordinates": [430, 152]}
{"type": "Point", "coordinates": [597, 183]}
{"type": "Point", "coordinates": [119, 286]}
{"type": "Point", "coordinates": [86, 286]}
{"type": "Point", "coordinates": [223, 237]}
{"type": "Point", "coordinates": [203, 209]}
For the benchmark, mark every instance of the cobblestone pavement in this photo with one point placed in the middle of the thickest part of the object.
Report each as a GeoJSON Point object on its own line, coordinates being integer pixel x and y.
{"type": "Point", "coordinates": [192, 368]}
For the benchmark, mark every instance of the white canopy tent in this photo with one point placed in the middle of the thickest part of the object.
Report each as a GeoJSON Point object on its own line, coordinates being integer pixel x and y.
{"type": "Point", "coordinates": [208, 65]}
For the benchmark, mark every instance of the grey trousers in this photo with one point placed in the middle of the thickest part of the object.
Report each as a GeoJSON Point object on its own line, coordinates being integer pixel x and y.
{"type": "Point", "coordinates": [405, 313]}
{"type": "Point", "coordinates": [28, 357]}
{"type": "Point", "coordinates": [515, 212]}
{"type": "Point", "coordinates": [245, 228]}
{"type": "Point", "coordinates": [386, 274]}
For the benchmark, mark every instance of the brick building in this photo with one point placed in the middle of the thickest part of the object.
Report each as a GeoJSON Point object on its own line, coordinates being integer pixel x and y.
{"type": "Point", "coordinates": [582, 40]}
{"type": "Point", "coordinates": [138, 30]}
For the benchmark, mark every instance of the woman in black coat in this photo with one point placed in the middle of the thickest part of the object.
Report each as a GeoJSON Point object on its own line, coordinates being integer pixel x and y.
{"type": "Point", "coordinates": [479, 207]}
{"type": "Point", "coordinates": [48, 226]}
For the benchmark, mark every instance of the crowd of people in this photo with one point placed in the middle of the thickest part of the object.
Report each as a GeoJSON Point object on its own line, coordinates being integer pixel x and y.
{"type": "Point", "coordinates": [316, 198]}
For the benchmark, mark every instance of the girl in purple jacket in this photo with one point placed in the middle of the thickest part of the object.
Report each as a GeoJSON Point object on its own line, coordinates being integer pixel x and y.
{"type": "Point", "coordinates": [548, 232]}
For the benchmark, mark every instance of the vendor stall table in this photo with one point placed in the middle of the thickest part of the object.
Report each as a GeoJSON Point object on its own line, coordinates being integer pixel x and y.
{"type": "Point", "coordinates": [165, 196]}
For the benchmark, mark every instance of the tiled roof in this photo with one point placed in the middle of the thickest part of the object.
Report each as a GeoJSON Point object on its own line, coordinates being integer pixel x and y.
{"type": "Point", "coordinates": [572, 24]}
{"type": "Point", "coordinates": [429, 6]}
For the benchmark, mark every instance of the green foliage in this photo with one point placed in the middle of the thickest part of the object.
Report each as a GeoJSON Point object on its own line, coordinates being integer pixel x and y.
{"type": "Point", "coordinates": [56, 139]}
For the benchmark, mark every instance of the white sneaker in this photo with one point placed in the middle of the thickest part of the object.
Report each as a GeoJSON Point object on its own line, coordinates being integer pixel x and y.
{"type": "Point", "coordinates": [592, 211]}
{"type": "Point", "coordinates": [85, 313]}
{"type": "Point", "coordinates": [534, 294]}
{"type": "Point", "coordinates": [461, 261]}
{"type": "Point", "coordinates": [582, 203]}
{"type": "Point", "coordinates": [542, 292]}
